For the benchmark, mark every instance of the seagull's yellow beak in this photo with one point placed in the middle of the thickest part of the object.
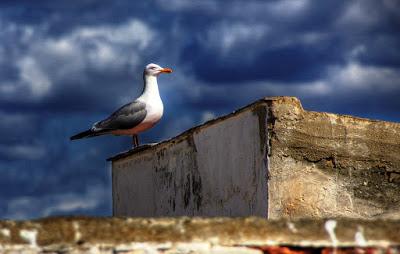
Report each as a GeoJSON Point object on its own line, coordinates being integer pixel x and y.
{"type": "Point", "coordinates": [166, 70]}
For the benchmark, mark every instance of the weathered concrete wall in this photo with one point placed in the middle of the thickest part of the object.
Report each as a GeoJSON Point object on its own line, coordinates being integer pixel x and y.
{"type": "Point", "coordinates": [270, 159]}
{"type": "Point", "coordinates": [324, 165]}
{"type": "Point", "coordinates": [214, 170]}
{"type": "Point", "coordinates": [195, 235]}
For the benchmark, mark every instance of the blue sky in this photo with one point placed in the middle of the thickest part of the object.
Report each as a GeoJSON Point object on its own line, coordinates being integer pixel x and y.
{"type": "Point", "coordinates": [66, 64]}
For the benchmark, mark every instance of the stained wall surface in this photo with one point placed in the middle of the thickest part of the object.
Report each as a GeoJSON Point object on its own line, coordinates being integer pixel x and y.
{"type": "Point", "coordinates": [218, 169]}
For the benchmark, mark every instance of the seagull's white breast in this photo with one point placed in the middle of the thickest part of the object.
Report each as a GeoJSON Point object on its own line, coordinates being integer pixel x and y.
{"type": "Point", "coordinates": [154, 110]}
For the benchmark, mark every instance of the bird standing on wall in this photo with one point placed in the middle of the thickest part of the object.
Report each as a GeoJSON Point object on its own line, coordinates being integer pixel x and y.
{"type": "Point", "coordinates": [134, 117]}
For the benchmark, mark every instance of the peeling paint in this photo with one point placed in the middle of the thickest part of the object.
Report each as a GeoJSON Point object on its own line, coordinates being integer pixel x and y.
{"type": "Point", "coordinates": [5, 232]}
{"type": "Point", "coordinates": [77, 235]}
{"type": "Point", "coordinates": [292, 227]}
{"type": "Point", "coordinates": [359, 237]}
{"type": "Point", "coordinates": [330, 226]}
{"type": "Point", "coordinates": [29, 236]}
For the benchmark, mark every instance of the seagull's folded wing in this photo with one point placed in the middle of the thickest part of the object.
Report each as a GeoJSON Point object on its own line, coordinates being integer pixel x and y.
{"type": "Point", "coordinates": [126, 117]}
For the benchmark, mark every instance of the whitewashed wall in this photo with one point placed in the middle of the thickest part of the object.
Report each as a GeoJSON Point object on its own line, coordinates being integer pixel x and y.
{"type": "Point", "coordinates": [218, 169]}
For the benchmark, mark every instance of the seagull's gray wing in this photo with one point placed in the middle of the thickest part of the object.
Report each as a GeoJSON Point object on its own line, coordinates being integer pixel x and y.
{"type": "Point", "coordinates": [126, 117]}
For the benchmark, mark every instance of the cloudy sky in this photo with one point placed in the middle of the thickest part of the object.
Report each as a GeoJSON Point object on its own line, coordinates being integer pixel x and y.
{"type": "Point", "coordinates": [66, 64]}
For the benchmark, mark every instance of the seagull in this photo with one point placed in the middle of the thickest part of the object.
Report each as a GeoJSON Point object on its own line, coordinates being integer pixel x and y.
{"type": "Point", "coordinates": [134, 117]}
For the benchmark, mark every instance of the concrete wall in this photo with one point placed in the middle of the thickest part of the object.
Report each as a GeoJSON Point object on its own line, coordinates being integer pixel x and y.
{"type": "Point", "coordinates": [271, 159]}
{"type": "Point", "coordinates": [218, 169]}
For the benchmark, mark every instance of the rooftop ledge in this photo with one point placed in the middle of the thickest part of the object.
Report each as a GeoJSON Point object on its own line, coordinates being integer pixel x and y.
{"type": "Point", "coordinates": [197, 235]}
{"type": "Point", "coordinates": [293, 101]}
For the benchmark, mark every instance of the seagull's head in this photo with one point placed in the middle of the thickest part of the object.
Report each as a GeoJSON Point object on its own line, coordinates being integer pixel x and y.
{"type": "Point", "coordinates": [155, 70]}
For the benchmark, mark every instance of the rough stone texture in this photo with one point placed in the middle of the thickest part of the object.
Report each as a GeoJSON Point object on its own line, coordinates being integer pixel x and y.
{"type": "Point", "coordinates": [324, 165]}
{"type": "Point", "coordinates": [196, 235]}
{"type": "Point", "coordinates": [270, 159]}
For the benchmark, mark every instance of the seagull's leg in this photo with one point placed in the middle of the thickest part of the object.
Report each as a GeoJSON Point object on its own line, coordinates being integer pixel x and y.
{"type": "Point", "coordinates": [134, 141]}
{"type": "Point", "coordinates": [137, 140]}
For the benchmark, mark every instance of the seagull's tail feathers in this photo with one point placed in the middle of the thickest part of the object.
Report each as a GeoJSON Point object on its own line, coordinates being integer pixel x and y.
{"type": "Point", "coordinates": [88, 134]}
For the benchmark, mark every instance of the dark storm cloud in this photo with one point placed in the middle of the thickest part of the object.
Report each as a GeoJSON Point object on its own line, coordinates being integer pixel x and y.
{"type": "Point", "coordinates": [290, 48]}
{"type": "Point", "coordinates": [84, 66]}
{"type": "Point", "coordinates": [383, 50]}
{"type": "Point", "coordinates": [62, 16]}
{"type": "Point", "coordinates": [67, 64]}
{"type": "Point", "coordinates": [15, 124]}
{"type": "Point", "coordinates": [62, 180]}
{"type": "Point", "coordinates": [294, 63]}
